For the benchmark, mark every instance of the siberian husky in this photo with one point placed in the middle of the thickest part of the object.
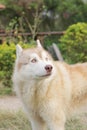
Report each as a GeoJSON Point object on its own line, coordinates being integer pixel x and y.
{"type": "Point", "coordinates": [49, 90]}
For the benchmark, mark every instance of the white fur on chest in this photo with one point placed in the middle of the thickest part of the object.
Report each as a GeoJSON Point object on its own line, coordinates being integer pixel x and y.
{"type": "Point", "coordinates": [32, 94]}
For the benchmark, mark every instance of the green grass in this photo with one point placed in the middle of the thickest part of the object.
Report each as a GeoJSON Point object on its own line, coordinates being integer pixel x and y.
{"type": "Point", "coordinates": [77, 123]}
{"type": "Point", "coordinates": [13, 121]}
{"type": "Point", "coordinates": [5, 90]}
{"type": "Point", "coordinates": [18, 121]}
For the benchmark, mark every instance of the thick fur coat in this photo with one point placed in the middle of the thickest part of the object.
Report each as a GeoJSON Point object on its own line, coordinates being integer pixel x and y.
{"type": "Point", "coordinates": [49, 90]}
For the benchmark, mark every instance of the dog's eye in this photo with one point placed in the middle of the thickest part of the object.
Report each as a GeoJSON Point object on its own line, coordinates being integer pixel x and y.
{"type": "Point", "coordinates": [34, 60]}
{"type": "Point", "coordinates": [25, 63]}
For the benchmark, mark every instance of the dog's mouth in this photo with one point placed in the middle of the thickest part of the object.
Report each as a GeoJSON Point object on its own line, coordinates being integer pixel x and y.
{"type": "Point", "coordinates": [46, 75]}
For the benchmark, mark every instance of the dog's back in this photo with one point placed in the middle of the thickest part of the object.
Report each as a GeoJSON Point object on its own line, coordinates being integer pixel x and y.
{"type": "Point", "coordinates": [78, 74]}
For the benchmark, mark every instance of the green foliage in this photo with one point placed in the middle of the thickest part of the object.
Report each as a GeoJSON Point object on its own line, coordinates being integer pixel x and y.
{"type": "Point", "coordinates": [42, 15]}
{"type": "Point", "coordinates": [74, 43]}
{"type": "Point", "coordinates": [7, 59]}
{"type": "Point", "coordinates": [50, 39]}
{"type": "Point", "coordinates": [71, 12]}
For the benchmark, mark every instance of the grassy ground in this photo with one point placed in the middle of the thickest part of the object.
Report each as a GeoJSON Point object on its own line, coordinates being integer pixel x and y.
{"type": "Point", "coordinates": [13, 121]}
{"type": "Point", "coordinates": [18, 121]}
{"type": "Point", "coordinates": [5, 90]}
{"type": "Point", "coordinates": [77, 123]}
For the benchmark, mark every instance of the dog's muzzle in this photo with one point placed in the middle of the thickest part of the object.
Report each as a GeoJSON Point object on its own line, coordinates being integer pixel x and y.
{"type": "Point", "coordinates": [48, 68]}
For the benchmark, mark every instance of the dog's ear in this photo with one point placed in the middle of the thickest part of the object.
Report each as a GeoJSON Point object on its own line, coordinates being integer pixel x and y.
{"type": "Point", "coordinates": [18, 50]}
{"type": "Point", "coordinates": [39, 44]}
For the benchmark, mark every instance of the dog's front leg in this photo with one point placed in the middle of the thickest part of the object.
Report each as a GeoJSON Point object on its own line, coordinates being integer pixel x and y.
{"type": "Point", "coordinates": [56, 125]}
{"type": "Point", "coordinates": [55, 119]}
{"type": "Point", "coordinates": [57, 122]}
{"type": "Point", "coordinates": [38, 124]}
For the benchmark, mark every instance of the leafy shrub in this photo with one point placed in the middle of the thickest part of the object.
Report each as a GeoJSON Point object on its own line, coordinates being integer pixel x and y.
{"type": "Point", "coordinates": [7, 59]}
{"type": "Point", "coordinates": [73, 44]}
{"type": "Point", "coordinates": [50, 39]}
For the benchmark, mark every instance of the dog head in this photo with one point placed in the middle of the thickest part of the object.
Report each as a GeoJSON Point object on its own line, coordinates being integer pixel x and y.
{"type": "Point", "coordinates": [33, 63]}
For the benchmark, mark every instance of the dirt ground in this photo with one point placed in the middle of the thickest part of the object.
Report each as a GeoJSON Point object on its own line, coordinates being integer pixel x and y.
{"type": "Point", "coordinates": [14, 103]}
{"type": "Point", "coordinates": [10, 103]}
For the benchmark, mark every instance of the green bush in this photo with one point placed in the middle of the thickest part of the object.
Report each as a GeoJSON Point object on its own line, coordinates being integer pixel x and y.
{"type": "Point", "coordinates": [7, 59]}
{"type": "Point", "coordinates": [50, 39]}
{"type": "Point", "coordinates": [73, 44]}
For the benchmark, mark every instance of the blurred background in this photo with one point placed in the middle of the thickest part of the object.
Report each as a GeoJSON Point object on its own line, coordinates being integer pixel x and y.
{"type": "Point", "coordinates": [60, 25]}
{"type": "Point", "coordinates": [41, 15]}
{"type": "Point", "coordinates": [36, 16]}
{"type": "Point", "coordinates": [52, 21]}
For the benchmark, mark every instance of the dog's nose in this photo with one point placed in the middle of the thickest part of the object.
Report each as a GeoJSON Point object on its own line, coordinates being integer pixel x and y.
{"type": "Point", "coordinates": [48, 68]}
